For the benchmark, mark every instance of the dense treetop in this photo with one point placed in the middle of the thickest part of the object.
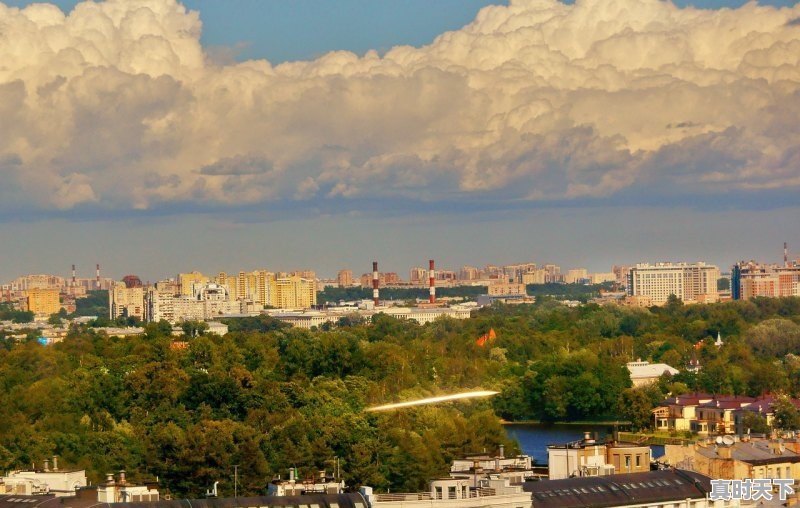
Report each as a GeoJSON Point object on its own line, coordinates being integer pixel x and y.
{"type": "Point", "coordinates": [268, 397]}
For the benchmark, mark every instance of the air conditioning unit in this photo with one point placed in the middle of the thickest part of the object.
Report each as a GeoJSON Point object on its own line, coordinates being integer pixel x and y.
{"type": "Point", "coordinates": [606, 469]}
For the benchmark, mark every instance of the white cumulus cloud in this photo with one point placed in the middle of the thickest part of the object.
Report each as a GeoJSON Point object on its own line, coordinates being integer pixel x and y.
{"type": "Point", "coordinates": [117, 105]}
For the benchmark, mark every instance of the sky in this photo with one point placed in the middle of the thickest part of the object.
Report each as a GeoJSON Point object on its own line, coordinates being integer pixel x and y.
{"type": "Point", "coordinates": [154, 137]}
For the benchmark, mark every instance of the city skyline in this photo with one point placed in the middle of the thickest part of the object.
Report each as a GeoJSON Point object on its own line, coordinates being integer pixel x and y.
{"type": "Point", "coordinates": [147, 135]}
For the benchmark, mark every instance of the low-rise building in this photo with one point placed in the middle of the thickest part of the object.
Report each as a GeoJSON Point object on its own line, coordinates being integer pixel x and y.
{"type": "Point", "coordinates": [706, 414]}
{"type": "Point", "coordinates": [590, 457]}
{"type": "Point", "coordinates": [316, 318]}
{"type": "Point", "coordinates": [731, 457]}
{"type": "Point", "coordinates": [644, 373]}
{"type": "Point", "coordinates": [55, 481]}
{"type": "Point", "coordinates": [678, 413]}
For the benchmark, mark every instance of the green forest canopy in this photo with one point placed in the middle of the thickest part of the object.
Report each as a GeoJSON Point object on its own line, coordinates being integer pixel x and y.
{"type": "Point", "coordinates": [268, 397]}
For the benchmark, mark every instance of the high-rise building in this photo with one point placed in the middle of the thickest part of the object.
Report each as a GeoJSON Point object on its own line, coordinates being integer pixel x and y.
{"type": "Point", "coordinates": [43, 302]}
{"type": "Point", "coordinates": [418, 275]}
{"type": "Point", "coordinates": [469, 273]}
{"type": "Point", "coordinates": [189, 280]}
{"type": "Point", "coordinates": [621, 273]}
{"type": "Point", "coordinates": [295, 292]}
{"type": "Point", "coordinates": [208, 301]}
{"type": "Point", "coordinates": [124, 301]}
{"type": "Point", "coordinates": [750, 279]}
{"type": "Point", "coordinates": [538, 276]}
{"type": "Point", "coordinates": [345, 278]}
{"type": "Point", "coordinates": [691, 282]}
{"type": "Point", "coordinates": [576, 275]}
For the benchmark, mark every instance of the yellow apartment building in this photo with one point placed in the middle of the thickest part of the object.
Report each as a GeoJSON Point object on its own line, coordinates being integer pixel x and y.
{"type": "Point", "coordinates": [43, 302]}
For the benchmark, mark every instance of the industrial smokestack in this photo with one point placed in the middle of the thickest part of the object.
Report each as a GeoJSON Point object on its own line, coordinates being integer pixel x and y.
{"type": "Point", "coordinates": [74, 283]}
{"type": "Point", "coordinates": [375, 298]}
{"type": "Point", "coordinates": [432, 282]}
{"type": "Point", "coordinates": [97, 280]}
{"type": "Point", "coordinates": [785, 255]}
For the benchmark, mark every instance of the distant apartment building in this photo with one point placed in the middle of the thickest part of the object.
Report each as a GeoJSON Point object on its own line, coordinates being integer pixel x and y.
{"type": "Point", "coordinates": [417, 275]}
{"type": "Point", "coordinates": [188, 281]}
{"type": "Point", "coordinates": [515, 273]}
{"type": "Point", "coordinates": [621, 273]}
{"type": "Point", "coordinates": [125, 301]}
{"type": "Point", "coordinates": [601, 277]}
{"type": "Point", "coordinates": [576, 276]}
{"type": "Point", "coordinates": [750, 279]}
{"type": "Point", "coordinates": [43, 302]}
{"type": "Point", "coordinates": [538, 276]}
{"type": "Point", "coordinates": [552, 273]}
{"type": "Point", "coordinates": [295, 292]}
{"type": "Point", "coordinates": [469, 273]}
{"type": "Point", "coordinates": [344, 279]}
{"type": "Point", "coordinates": [384, 279]}
{"type": "Point", "coordinates": [544, 275]}
{"type": "Point", "coordinates": [691, 282]}
{"type": "Point", "coordinates": [37, 281]}
{"type": "Point", "coordinates": [506, 289]}
{"type": "Point", "coordinates": [208, 301]}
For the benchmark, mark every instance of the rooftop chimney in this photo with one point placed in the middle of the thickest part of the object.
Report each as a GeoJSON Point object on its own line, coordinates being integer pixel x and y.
{"type": "Point", "coordinates": [97, 277]}
{"type": "Point", "coordinates": [46, 466]}
{"type": "Point", "coordinates": [73, 275]}
{"type": "Point", "coordinates": [375, 298]}
{"type": "Point", "coordinates": [785, 255]}
{"type": "Point", "coordinates": [432, 282]}
{"type": "Point", "coordinates": [55, 462]}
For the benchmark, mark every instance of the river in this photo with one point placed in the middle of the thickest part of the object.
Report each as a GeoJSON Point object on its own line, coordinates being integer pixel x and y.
{"type": "Point", "coordinates": [533, 438]}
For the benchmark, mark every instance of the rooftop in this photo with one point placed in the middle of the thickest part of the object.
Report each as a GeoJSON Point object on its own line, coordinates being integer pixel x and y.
{"type": "Point", "coordinates": [753, 452]}
{"type": "Point", "coordinates": [616, 490]}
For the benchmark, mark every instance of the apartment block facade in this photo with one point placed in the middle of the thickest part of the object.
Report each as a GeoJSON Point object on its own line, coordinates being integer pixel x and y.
{"type": "Point", "coordinates": [691, 282]}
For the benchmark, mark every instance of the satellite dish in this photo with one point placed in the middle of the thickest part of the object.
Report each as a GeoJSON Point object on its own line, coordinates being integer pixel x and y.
{"type": "Point", "coordinates": [728, 440]}
{"type": "Point", "coordinates": [718, 440]}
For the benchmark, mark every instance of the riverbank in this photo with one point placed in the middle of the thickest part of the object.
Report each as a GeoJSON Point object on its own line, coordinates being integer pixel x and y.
{"type": "Point", "coordinates": [577, 423]}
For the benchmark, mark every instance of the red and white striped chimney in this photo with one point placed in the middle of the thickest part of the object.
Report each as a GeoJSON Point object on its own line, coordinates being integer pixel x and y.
{"type": "Point", "coordinates": [97, 277]}
{"type": "Point", "coordinates": [431, 282]}
{"type": "Point", "coordinates": [73, 276]}
{"type": "Point", "coordinates": [375, 298]}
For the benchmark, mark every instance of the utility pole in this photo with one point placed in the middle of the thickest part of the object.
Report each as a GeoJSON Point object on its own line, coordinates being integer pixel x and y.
{"type": "Point", "coordinates": [235, 481]}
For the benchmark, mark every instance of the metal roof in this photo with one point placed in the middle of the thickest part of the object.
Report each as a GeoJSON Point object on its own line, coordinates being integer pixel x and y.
{"type": "Point", "coordinates": [619, 489]}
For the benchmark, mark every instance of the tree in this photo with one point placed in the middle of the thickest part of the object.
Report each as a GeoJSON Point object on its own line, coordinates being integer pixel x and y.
{"type": "Point", "coordinates": [755, 422]}
{"type": "Point", "coordinates": [786, 415]}
{"type": "Point", "coordinates": [638, 407]}
{"type": "Point", "coordinates": [194, 328]}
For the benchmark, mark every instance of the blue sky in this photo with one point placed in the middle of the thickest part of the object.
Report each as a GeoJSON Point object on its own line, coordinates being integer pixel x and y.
{"type": "Point", "coordinates": [281, 30]}
{"type": "Point", "coordinates": [595, 134]}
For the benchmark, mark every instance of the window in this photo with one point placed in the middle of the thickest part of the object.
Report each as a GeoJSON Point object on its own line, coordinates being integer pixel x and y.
{"type": "Point", "coordinates": [638, 460]}
{"type": "Point", "coordinates": [627, 462]}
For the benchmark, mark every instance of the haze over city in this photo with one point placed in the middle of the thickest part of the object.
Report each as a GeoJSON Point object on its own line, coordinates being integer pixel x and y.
{"type": "Point", "coordinates": [290, 135]}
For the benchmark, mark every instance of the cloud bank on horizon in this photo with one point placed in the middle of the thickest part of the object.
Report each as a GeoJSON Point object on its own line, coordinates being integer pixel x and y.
{"type": "Point", "coordinates": [116, 106]}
